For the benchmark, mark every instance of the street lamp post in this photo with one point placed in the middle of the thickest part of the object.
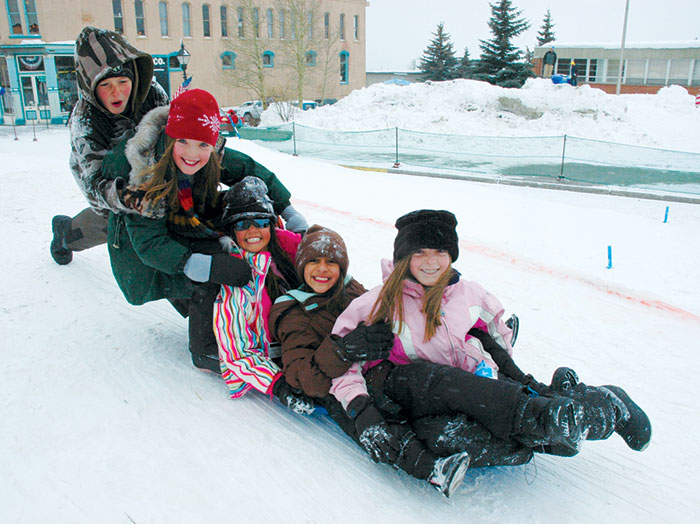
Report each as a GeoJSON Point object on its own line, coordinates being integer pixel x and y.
{"type": "Point", "coordinates": [183, 56]}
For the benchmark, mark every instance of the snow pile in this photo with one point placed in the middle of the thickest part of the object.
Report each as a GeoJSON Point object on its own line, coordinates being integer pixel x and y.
{"type": "Point", "coordinates": [666, 120]}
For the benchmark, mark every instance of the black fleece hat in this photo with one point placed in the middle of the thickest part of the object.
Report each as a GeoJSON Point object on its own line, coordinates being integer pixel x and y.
{"type": "Point", "coordinates": [426, 228]}
{"type": "Point", "coordinates": [126, 69]}
{"type": "Point", "coordinates": [247, 199]}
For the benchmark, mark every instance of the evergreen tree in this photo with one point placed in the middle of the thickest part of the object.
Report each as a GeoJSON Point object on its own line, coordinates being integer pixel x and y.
{"type": "Point", "coordinates": [438, 61]}
{"type": "Point", "coordinates": [500, 60]}
{"type": "Point", "coordinates": [465, 68]}
{"type": "Point", "coordinates": [546, 33]}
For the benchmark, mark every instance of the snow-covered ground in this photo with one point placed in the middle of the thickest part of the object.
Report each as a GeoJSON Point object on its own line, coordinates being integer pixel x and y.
{"type": "Point", "coordinates": [104, 419]}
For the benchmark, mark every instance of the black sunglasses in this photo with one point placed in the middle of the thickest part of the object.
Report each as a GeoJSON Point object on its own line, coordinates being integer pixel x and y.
{"type": "Point", "coordinates": [244, 225]}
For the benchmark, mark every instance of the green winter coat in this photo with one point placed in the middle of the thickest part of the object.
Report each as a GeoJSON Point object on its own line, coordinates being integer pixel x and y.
{"type": "Point", "coordinates": [147, 254]}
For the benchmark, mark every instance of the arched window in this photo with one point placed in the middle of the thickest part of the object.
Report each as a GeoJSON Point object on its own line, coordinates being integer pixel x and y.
{"type": "Point", "coordinates": [186, 19]}
{"type": "Point", "coordinates": [163, 14]}
{"type": "Point", "coordinates": [206, 20]}
{"type": "Point", "coordinates": [344, 67]}
{"type": "Point", "coordinates": [268, 59]}
{"type": "Point", "coordinates": [228, 60]}
{"type": "Point", "coordinates": [310, 58]}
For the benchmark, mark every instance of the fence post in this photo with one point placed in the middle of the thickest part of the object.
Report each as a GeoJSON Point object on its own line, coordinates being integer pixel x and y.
{"type": "Point", "coordinates": [396, 163]}
{"type": "Point", "coordinates": [563, 154]}
{"type": "Point", "coordinates": [294, 137]}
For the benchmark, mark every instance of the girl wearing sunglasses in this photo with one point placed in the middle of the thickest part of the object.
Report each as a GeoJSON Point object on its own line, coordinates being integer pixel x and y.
{"type": "Point", "coordinates": [241, 312]}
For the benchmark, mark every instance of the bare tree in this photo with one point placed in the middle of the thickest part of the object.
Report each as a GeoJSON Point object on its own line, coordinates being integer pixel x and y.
{"type": "Point", "coordinates": [250, 71]}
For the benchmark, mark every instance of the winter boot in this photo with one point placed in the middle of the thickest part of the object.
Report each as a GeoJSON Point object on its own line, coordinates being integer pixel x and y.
{"type": "Point", "coordinates": [545, 421]}
{"type": "Point", "coordinates": [202, 343]}
{"type": "Point", "coordinates": [60, 252]}
{"type": "Point", "coordinates": [207, 363]}
{"type": "Point", "coordinates": [448, 473]}
{"type": "Point", "coordinates": [633, 425]}
{"type": "Point", "coordinates": [563, 381]}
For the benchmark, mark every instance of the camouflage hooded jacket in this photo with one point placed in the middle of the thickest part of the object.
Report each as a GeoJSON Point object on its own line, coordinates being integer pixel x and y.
{"type": "Point", "coordinates": [94, 131]}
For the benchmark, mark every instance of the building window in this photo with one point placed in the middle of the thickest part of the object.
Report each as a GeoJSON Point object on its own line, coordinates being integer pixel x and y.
{"type": "Point", "coordinates": [118, 17]}
{"type": "Point", "coordinates": [241, 23]}
{"type": "Point", "coordinates": [163, 12]}
{"type": "Point", "coordinates": [256, 22]}
{"type": "Point", "coordinates": [635, 72]}
{"type": "Point", "coordinates": [679, 72]}
{"type": "Point", "coordinates": [186, 20]}
{"type": "Point", "coordinates": [356, 27]}
{"type": "Point", "coordinates": [224, 21]}
{"type": "Point", "coordinates": [268, 59]}
{"type": "Point", "coordinates": [228, 60]}
{"type": "Point", "coordinates": [310, 25]}
{"type": "Point", "coordinates": [657, 72]}
{"type": "Point", "coordinates": [344, 70]}
{"type": "Point", "coordinates": [17, 10]}
{"type": "Point", "coordinates": [140, 20]}
{"type": "Point", "coordinates": [695, 79]}
{"type": "Point", "coordinates": [341, 29]}
{"type": "Point", "coordinates": [326, 25]}
{"type": "Point", "coordinates": [67, 82]}
{"type": "Point", "coordinates": [6, 97]}
{"type": "Point", "coordinates": [282, 24]}
{"type": "Point", "coordinates": [206, 21]}
{"type": "Point", "coordinates": [270, 24]}
{"type": "Point", "coordinates": [311, 58]}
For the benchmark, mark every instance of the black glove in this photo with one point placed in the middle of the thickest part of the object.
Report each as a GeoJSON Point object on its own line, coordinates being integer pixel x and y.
{"type": "Point", "coordinates": [232, 271]}
{"type": "Point", "coordinates": [373, 432]}
{"type": "Point", "coordinates": [292, 398]}
{"type": "Point", "coordinates": [132, 197]}
{"type": "Point", "coordinates": [365, 343]}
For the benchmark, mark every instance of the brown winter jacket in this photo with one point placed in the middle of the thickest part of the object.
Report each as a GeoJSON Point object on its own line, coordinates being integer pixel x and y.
{"type": "Point", "coordinates": [303, 324]}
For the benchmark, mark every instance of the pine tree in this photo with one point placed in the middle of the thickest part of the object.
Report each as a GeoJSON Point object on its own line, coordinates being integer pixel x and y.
{"type": "Point", "coordinates": [500, 60]}
{"type": "Point", "coordinates": [438, 61]}
{"type": "Point", "coordinates": [465, 68]}
{"type": "Point", "coordinates": [546, 33]}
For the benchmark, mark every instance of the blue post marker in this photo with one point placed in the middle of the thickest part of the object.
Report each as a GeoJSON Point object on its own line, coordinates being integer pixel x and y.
{"type": "Point", "coordinates": [666, 215]}
{"type": "Point", "coordinates": [609, 257]}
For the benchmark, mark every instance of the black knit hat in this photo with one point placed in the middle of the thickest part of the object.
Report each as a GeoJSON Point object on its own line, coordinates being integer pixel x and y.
{"type": "Point", "coordinates": [319, 242]}
{"type": "Point", "coordinates": [426, 228]}
{"type": "Point", "coordinates": [126, 69]}
{"type": "Point", "coordinates": [247, 199]}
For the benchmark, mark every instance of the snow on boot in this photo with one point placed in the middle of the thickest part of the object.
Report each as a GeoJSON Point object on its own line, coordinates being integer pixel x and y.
{"type": "Point", "coordinates": [545, 421]}
{"type": "Point", "coordinates": [600, 413]}
{"type": "Point", "coordinates": [633, 425]}
{"type": "Point", "coordinates": [60, 252]}
{"type": "Point", "coordinates": [563, 381]}
{"type": "Point", "coordinates": [448, 473]}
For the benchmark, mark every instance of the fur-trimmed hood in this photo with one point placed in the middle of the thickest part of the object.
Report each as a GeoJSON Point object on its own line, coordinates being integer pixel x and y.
{"type": "Point", "coordinates": [141, 149]}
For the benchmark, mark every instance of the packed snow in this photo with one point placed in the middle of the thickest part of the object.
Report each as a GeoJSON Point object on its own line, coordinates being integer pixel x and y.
{"type": "Point", "coordinates": [104, 419]}
{"type": "Point", "coordinates": [666, 120]}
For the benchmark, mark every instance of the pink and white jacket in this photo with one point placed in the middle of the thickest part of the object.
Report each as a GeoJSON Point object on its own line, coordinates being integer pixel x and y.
{"type": "Point", "coordinates": [465, 305]}
{"type": "Point", "coordinates": [240, 323]}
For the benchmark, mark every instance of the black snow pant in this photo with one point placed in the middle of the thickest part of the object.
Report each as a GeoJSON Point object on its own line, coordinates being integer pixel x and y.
{"type": "Point", "coordinates": [427, 389]}
{"type": "Point", "coordinates": [201, 320]}
{"type": "Point", "coordinates": [87, 229]}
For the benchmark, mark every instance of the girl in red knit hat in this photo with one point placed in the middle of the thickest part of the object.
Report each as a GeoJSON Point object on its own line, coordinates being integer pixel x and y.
{"type": "Point", "coordinates": [171, 249]}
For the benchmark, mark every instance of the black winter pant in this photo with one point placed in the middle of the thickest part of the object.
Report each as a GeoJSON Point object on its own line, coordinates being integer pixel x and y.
{"type": "Point", "coordinates": [427, 389]}
{"type": "Point", "coordinates": [201, 320]}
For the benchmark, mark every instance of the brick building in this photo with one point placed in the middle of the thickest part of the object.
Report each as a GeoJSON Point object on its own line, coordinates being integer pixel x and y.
{"type": "Point", "coordinates": [37, 72]}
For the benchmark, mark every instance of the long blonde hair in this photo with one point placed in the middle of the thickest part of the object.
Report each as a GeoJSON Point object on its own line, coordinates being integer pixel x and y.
{"type": "Point", "coordinates": [389, 304]}
{"type": "Point", "coordinates": [161, 183]}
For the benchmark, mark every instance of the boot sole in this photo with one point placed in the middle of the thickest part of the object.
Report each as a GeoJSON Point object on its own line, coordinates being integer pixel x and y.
{"type": "Point", "coordinates": [60, 252]}
{"type": "Point", "coordinates": [638, 423]}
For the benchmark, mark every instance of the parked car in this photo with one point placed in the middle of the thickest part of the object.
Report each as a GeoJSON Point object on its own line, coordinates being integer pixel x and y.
{"type": "Point", "coordinates": [250, 112]}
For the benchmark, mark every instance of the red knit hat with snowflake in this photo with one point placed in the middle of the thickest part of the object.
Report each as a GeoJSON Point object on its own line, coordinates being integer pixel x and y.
{"type": "Point", "coordinates": [194, 115]}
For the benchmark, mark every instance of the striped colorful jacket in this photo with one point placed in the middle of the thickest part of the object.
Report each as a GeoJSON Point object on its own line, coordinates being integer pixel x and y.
{"type": "Point", "coordinates": [241, 324]}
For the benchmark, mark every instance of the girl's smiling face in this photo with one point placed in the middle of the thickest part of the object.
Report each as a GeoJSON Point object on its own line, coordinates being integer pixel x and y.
{"type": "Point", "coordinates": [191, 155]}
{"type": "Point", "coordinates": [253, 239]}
{"type": "Point", "coordinates": [428, 265]}
{"type": "Point", "coordinates": [321, 274]}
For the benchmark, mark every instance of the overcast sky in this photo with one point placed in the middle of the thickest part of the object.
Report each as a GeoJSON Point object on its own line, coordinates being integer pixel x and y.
{"type": "Point", "coordinates": [398, 31]}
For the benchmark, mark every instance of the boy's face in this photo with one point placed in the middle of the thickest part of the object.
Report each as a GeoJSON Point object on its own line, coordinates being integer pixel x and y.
{"type": "Point", "coordinates": [113, 93]}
